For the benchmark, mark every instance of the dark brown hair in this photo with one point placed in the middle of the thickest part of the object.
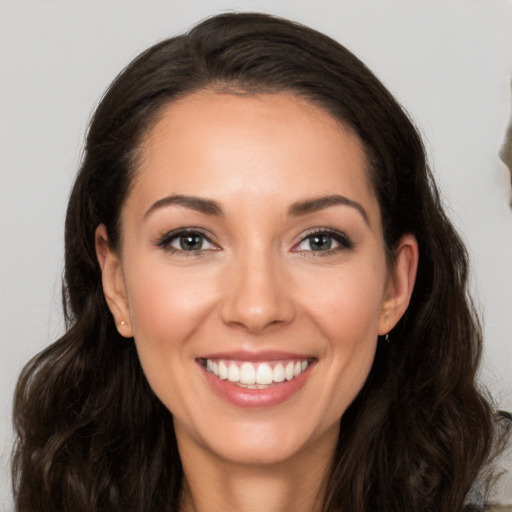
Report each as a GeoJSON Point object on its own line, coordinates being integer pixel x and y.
{"type": "Point", "coordinates": [92, 436]}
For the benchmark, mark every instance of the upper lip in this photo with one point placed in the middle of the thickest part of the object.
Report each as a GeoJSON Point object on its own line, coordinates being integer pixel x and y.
{"type": "Point", "coordinates": [267, 355]}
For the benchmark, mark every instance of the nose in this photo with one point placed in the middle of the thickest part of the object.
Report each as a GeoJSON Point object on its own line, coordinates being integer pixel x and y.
{"type": "Point", "coordinates": [256, 294]}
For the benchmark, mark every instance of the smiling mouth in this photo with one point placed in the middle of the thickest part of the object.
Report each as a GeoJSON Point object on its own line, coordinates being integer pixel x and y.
{"type": "Point", "coordinates": [255, 375]}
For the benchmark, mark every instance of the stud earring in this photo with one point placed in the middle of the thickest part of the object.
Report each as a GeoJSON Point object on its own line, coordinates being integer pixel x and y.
{"type": "Point", "coordinates": [123, 323]}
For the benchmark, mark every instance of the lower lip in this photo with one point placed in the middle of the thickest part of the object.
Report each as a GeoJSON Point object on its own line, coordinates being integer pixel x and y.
{"type": "Point", "coordinates": [256, 398]}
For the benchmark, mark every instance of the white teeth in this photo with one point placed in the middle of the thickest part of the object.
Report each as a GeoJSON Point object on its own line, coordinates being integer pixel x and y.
{"type": "Point", "coordinates": [288, 371]}
{"type": "Point", "coordinates": [233, 373]}
{"type": "Point", "coordinates": [247, 374]}
{"type": "Point", "coordinates": [255, 375]}
{"type": "Point", "coordinates": [223, 370]}
{"type": "Point", "coordinates": [278, 373]}
{"type": "Point", "coordinates": [264, 374]}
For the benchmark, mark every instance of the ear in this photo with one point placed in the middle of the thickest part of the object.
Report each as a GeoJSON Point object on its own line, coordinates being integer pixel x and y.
{"type": "Point", "coordinates": [400, 283]}
{"type": "Point", "coordinates": [113, 282]}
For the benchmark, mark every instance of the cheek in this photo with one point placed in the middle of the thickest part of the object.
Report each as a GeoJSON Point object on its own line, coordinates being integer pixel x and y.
{"type": "Point", "coordinates": [346, 310]}
{"type": "Point", "coordinates": [346, 304]}
{"type": "Point", "coordinates": [167, 307]}
{"type": "Point", "coordinates": [167, 303]}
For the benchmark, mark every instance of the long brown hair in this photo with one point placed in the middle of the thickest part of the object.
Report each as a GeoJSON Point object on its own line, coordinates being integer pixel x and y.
{"type": "Point", "coordinates": [92, 436]}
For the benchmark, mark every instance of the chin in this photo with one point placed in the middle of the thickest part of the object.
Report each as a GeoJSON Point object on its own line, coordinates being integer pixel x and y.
{"type": "Point", "coordinates": [265, 443]}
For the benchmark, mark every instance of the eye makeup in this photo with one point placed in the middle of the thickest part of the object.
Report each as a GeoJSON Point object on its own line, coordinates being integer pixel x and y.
{"type": "Point", "coordinates": [193, 241]}
{"type": "Point", "coordinates": [190, 241]}
{"type": "Point", "coordinates": [323, 242]}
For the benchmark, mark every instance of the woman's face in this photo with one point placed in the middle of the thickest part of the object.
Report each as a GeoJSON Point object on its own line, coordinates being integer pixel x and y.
{"type": "Point", "coordinates": [252, 273]}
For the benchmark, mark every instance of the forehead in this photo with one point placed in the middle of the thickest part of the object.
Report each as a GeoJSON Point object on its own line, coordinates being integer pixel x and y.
{"type": "Point", "coordinates": [268, 145]}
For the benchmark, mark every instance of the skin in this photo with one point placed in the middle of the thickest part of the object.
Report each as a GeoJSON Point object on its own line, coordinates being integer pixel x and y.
{"type": "Point", "coordinates": [256, 285]}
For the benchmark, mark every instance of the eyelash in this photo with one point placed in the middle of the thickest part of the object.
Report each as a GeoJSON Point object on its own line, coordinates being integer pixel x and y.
{"type": "Point", "coordinates": [165, 241]}
{"type": "Point", "coordinates": [344, 241]}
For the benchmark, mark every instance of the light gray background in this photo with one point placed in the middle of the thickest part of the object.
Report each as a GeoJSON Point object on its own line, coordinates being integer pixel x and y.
{"type": "Point", "coordinates": [447, 61]}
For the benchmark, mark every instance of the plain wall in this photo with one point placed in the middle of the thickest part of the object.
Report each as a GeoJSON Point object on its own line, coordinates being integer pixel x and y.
{"type": "Point", "coordinates": [447, 61]}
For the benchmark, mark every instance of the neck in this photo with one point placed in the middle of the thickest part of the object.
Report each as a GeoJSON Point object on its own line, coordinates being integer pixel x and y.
{"type": "Point", "coordinates": [213, 484]}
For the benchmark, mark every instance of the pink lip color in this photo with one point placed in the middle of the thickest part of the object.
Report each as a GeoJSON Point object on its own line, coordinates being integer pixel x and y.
{"type": "Point", "coordinates": [256, 398]}
{"type": "Point", "coordinates": [254, 357]}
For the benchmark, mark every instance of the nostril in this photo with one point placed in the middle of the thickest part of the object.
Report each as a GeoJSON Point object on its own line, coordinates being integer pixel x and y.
{"type": "Point", "coordinates": [256, 297]}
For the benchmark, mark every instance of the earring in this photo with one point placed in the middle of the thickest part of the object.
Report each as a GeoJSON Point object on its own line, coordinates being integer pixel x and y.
{"type": "Point", "coordinates": [123, 323]}
{"type": "Point", "coordinates": [387, 334]}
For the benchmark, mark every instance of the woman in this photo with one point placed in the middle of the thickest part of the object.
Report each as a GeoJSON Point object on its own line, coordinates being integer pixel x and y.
{"type": "Point", "coordinates": [266, 304]}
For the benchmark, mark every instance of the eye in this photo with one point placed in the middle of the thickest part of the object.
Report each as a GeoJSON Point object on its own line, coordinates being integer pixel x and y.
{"type": "Point", "coordinates": [186, 241]}
{"type": "Point", "coordinates": [326, 241]}
{"type": "Point", "coordinates": [319, 242]}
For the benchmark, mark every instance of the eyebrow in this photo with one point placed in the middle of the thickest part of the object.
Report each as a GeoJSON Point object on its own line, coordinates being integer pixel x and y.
{"type": "Point", "coordinates": [210, 207]}
{"type": "Point", "coordinates": [199, 204]}
{"type": "Point", "coordinates": [320, 203]}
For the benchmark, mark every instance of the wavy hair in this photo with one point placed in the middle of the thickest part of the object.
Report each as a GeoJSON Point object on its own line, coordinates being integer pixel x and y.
{"type": "Point", "coordinates": [92, 436]}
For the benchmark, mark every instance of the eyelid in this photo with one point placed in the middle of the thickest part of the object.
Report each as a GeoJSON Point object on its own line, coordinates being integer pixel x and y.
{"type": "Point", "coordinates": [341, 238]}
{"type": "Point", "coordinates": [165, 239]}
{"type": "Point", "coordinates": [343, 241]}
